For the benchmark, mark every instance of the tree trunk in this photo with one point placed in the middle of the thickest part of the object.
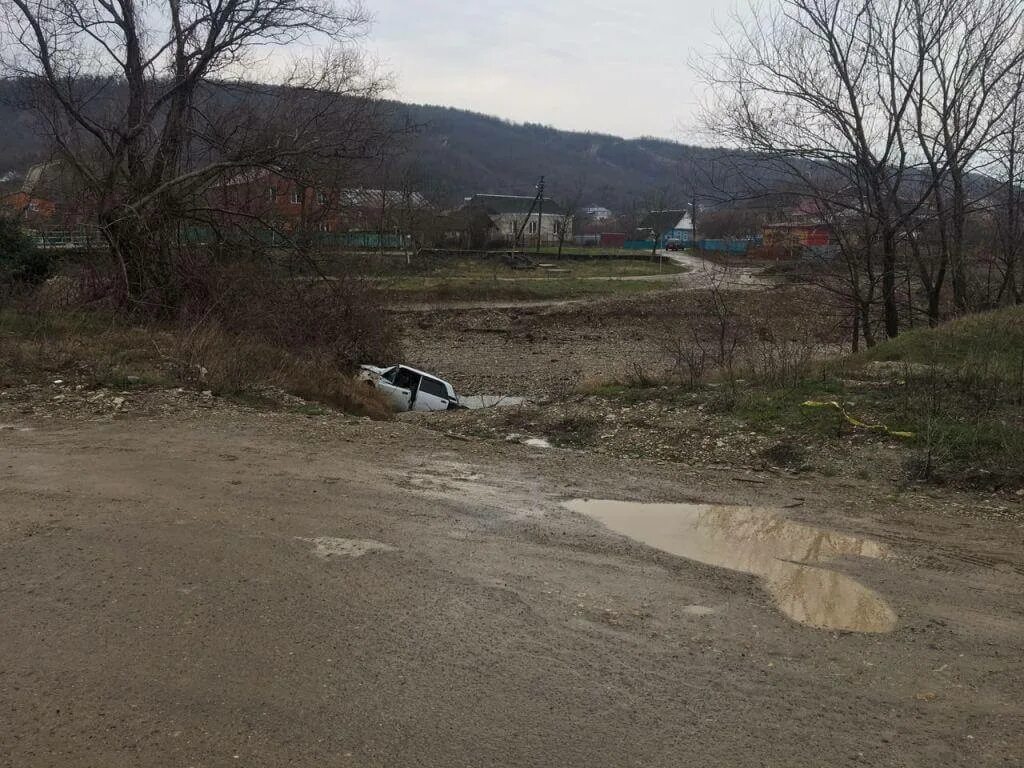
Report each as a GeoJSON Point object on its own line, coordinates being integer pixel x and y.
{"type": "Point", "coordinates": [865, 325]}
{"type": "Point", "coordinates": [146, 261]}
{"type": "Point", "coordinates": [889, 305]}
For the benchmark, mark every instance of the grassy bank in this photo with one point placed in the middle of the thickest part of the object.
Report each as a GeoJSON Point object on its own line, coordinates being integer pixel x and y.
{"type": "Point", "coordinates": [957, 390]}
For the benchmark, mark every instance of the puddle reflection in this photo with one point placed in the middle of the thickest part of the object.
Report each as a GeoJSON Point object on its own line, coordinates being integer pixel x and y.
{"type": "Point", "coordinates": [785, 554]}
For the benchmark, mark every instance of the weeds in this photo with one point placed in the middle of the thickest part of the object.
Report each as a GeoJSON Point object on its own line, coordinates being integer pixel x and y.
{"type": "Point", "coordinates": [236, 334]}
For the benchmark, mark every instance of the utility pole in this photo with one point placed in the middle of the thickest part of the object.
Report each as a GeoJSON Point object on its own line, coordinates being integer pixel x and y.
{"type": "Point", "coordinates": [693, 221]}
{"type": "Point", "coordinates": [540, 211]}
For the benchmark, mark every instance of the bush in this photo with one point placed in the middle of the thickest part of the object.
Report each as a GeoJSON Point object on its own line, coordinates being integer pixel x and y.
{"type": "Point", "coordinates": [268, 297]}
{"type": "Point", "coordinates": [21, 263]}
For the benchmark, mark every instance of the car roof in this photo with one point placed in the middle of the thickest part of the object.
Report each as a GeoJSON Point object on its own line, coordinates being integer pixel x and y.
{"type": "Point", "coordinates": [423, 373]}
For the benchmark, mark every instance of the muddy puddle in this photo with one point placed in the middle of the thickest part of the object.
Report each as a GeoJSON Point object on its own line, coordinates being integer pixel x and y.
{"type": "Point", "coordinates": [786, 555]}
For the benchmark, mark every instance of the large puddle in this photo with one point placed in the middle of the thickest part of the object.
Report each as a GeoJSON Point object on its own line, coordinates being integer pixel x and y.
{"type": "Point", "coordinates": [786, 556]}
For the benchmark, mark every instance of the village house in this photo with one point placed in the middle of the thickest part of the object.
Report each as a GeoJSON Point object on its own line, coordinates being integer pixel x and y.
{"type": "Point", "coordinates": [291, 205]}
{"type": "Point", "coordinates": [802, 228]}
{"type": "Point", "coordinates": [668, 226]}
{"type": "Point", "coordinates": [47, 198]}
{"type": "Point", "coordinates": [797, 234]}
{"type": "Point", "coordinates": [597, 213]}
{"type": "Point", "coordinates": [511, 216]}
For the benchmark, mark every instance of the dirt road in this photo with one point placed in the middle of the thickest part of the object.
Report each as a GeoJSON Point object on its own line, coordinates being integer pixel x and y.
{"type": "Point", "coordinates": [236, 588]}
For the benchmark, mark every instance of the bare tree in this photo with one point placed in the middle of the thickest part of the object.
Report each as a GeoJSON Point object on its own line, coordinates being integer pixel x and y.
{"type": "Point", "coordinates": [879, 112]}
{"type": "Point", "coordinates": [570, 214]}
{"type": "Point", "coordinates": [1007, 210]}
{"type": "Point", "coordinates": [967, 84]}
{"type": "Point", "coordinates": [148, 105]}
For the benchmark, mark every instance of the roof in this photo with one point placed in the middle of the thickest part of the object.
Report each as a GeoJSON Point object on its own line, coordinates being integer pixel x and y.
{"type": "Point", "coordinates": [373, 198]}
{"type": "Point", "coordinates": [43, 180]}
{"type": "Point", "coordinates": [797, 225]}
{"type": "Point", "coordinates": [498, 204]}
{"type": "Point", "coordinates": [662, 221]}
{"type": "Point", "coordinates": [356, 197]}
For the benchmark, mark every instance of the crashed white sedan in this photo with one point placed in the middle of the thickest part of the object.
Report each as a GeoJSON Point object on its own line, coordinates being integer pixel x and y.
{"type": "Point", "coordinates": [409, 389]}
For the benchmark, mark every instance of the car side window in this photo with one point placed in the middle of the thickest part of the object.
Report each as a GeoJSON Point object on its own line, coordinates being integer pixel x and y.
{"type": "Point", "coordinates": [389, 374]}
{"type": "Point", "coordinates": [406, 379]}
{"type": "Point", "coordinates": [434, 387]}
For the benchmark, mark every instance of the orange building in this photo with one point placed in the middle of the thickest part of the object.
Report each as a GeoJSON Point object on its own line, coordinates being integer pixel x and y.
{"type": "Point", "coordinates": [276, 199]}
{"type": "Point", "coordinates": [797, 234]}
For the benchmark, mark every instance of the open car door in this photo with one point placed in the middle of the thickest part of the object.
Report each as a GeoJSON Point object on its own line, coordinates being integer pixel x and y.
{"type": "Point", "coordinates": [399, 384]}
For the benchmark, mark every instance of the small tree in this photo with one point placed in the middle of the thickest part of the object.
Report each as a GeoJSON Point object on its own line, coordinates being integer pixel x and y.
{"type": "Point", "coordinates": [21, 263]}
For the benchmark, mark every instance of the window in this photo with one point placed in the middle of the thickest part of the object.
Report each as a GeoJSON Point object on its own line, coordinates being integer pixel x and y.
{"type": "Point", "coordinates": [556, 227]}
{"type": "Point", "coordinates": [406, 379]}
{"type": "Point", "coordinates": [272, 194]}
{"type": "Point", "coordinates": [321, 198]}
{"type": "Point", "coordinates": [532, 228]}
{"type": "Point", "coordinates": [325, 227]}
{"type": "Point", "coordinates": [297, 196]}
{"type": "Point", "coordinates": [434, 387]}
{"type": "Point", "coordinates": [389, 374]}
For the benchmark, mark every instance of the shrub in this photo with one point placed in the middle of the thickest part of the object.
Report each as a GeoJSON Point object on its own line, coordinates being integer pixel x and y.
{"type": "Point", "coordinates": [341, 319]}
{"type": "Point", "coordinates": [21, 263]}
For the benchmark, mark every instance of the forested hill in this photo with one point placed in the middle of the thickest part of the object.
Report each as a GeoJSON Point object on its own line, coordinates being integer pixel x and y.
{"type": "Point", "coordinates": [456, 153]}
{"type": "Point", "coordinates": [467, 152]}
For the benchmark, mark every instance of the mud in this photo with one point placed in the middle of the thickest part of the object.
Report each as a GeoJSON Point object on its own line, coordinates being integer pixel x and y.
{"type": "Point", "coordinates": [163, 604]}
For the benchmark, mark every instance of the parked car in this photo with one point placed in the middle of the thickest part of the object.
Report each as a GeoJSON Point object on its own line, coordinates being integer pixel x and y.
{"type": "Point", "coordinates": [409, 389]}
{"type": "Point", "coordinates": [673, 245]}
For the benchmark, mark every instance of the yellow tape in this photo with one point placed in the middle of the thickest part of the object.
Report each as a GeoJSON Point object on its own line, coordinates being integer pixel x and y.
{"type": "Point", "coordinates": [852, 420]}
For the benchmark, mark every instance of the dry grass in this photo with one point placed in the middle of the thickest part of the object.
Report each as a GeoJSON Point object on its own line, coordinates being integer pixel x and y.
{"type": "Point", "coordinates": [97, 350]}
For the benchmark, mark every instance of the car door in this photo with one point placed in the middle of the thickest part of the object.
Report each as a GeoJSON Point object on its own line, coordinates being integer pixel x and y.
{"type": "Point", "coordinates": [431, 396]}
{"type": "Point", "coordinates": [399, 384]}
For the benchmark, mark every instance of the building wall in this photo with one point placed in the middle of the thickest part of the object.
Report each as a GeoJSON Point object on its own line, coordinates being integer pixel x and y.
{"type": "Point", "coordinates": [809, 235]}
{"type": "Point", "coordinates": [684, 236]}
{"type": "Point", "coordinates": [508, 224]}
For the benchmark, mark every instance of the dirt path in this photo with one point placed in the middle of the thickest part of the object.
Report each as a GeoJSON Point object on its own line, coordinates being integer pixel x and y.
{"type": "Point", "coordinates": [248, 589]}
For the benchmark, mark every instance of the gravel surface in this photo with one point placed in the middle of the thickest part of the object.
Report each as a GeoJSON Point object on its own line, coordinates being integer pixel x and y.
{"type": "Point", "coordinates": [186, 582]}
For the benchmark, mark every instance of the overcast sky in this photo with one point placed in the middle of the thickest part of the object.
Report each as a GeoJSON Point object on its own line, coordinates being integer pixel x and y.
{"type": "Point", "coordinates": [614, 66]}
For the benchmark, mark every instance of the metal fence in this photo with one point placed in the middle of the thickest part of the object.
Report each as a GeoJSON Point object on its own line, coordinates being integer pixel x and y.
{"type": "Point", "coordinates": [66, 238]}
{"type": "Point", "coordinates": [729, 245]}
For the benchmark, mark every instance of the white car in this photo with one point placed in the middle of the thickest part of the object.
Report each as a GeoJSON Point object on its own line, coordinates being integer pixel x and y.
{"type": "Point", "coordinates": [409, 389]}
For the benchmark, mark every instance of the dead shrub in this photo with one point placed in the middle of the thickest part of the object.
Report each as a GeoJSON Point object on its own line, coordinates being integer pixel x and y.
{"type": "Point", "coordinates": [339, 318]}
{"type": "Point", "coordinates": [706, 336]}
{"type": "Point", "coordinates": [779, 360]}
{"type": "Point", "coordinates": [209, 357]}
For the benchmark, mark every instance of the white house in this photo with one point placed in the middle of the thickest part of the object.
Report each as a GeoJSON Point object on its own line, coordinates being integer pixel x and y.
{"type": "Point", "coordinates": [511, 214]}
{"type": "Point", "coordinates": [597, 213]}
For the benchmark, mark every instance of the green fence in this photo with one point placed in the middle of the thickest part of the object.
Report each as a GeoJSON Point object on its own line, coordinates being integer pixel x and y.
{"type": "Point", "coordinates": [338, 240]}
